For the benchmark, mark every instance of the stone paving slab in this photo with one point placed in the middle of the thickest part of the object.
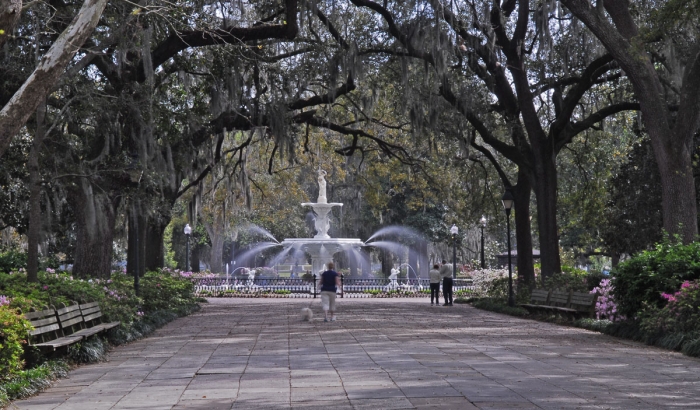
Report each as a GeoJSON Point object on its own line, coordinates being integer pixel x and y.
{"type": "Point", "coordinates": [380, 354]}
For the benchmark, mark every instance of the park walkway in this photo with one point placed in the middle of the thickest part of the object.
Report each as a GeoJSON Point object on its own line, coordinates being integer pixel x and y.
{"type": "Point", "coordinates": [380, 354]}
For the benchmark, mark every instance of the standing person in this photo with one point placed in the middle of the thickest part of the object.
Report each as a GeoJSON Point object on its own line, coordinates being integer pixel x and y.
{"type": "Point", "coordinates": [435, 284]}
{"type": "Point", "coordinates": [330, 280]}
{"type": "Point", "coordinates": [446, 274]}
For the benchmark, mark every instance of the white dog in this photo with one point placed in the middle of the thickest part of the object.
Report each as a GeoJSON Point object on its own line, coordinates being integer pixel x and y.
{"type": "Point", "coordinates": [306, 314]}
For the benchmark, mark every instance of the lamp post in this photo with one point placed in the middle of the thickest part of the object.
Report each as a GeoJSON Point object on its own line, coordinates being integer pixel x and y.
{"type": "Point", "coordinates": [188, 231]}
{"type": "Point", "coordinates": [454, 230]}
{"type": "Point", "coordinates": [508, 200]}
{"type": "Point", "coordinates": [483, 225]}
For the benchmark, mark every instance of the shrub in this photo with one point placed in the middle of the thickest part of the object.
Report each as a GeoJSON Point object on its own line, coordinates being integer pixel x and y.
{"type": "Point", "coordinates": [12, 260]}
{"type": "Point", "coordinates": [13, 334]}
{"type": "Point", "coordinates": [680, 315]}
{"type": "Point", "coordinates": [645, 277]}
{"type": "Point", "coordinates": [605, 305]}
{"type": "Point", "coordinates": [569, 278]}
{"type": "Point", "coordinates": [483, 281]}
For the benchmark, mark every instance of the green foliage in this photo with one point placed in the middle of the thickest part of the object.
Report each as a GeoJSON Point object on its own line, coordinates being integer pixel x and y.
{"type": "Point", "coordinates": [641, 280]}
{"type": "Point", "coordinates": [372, 291]}
{"type": "Point", "coordinates": [12, 260]}
{"type": "Point", "coordinates": [13, 335]}
{"type": "Point", "coordinates": [165, 291]}
{"type": "Point", "coordinates": [91, 350]}
{"type": "Point", "coordinates": [31, 381]}
{"type": "Point", "coordinates": [495, 305]}
{"type": "Point", "coordinates": [569, 278]}
{"type": "Point", "coordinates": [283, 292]}
{"type": "Point", "coordinates": [681, 315]}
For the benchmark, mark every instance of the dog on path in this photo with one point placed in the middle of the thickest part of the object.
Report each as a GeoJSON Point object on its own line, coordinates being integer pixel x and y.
{"type": "Point", "coordinates": [306, 314]}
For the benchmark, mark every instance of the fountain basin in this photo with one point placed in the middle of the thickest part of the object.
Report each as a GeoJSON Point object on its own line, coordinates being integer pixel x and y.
{"type": "Point", "coordinates": [322, 250]}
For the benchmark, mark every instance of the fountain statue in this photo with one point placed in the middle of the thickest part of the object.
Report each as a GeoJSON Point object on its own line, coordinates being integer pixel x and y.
{"type": "Point", "coordinates": [321, 187]}
{"type": "Point", "coordinates": [322, 247]}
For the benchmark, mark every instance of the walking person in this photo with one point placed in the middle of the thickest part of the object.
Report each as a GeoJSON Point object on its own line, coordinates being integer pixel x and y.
{"type": "Point", "coordinates": [446, 274]}
{"type": "Point", "coordinates": [435, 284]}
{"type": "Point", "coordinates": [330, 280]}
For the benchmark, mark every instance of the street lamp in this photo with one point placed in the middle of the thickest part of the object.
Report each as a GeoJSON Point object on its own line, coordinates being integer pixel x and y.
{"type": "Point", "coordinates": [508, 201]}
{"type": "Point", "coordinates": [483, 225]}
{"type": "Point", "coordinates": [188, 232]}
{"type": "Point", "coordinates": [454, 230]}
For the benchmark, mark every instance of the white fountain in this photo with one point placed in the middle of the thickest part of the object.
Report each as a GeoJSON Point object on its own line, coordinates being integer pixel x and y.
{"type": "Point", "coordinates": [322, 247]}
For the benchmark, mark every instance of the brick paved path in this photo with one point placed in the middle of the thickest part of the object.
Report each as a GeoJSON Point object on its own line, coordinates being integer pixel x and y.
{"type": "Point", "coordinates": [380, 354]}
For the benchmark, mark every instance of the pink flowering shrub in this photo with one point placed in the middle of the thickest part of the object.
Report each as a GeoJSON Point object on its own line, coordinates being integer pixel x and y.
{"type": "Point", "coordinates": [680, 315]}
{"type": "Point", "coordinates": [4, 300]}
{"type": "Point", "coordinates": [605, 306]}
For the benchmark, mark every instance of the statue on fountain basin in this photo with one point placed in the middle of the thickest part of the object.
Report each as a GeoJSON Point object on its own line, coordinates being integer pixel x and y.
{"type": "Point", "coordinates": [322, 187]}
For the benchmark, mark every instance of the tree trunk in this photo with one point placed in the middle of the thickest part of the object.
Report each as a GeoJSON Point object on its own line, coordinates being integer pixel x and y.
{"type": "Point", "coordinates": [194, 257]}
{"type": "Point", "coordinates": [35, 196]}
{"type": "Point", "coordinates": [10, 11]}
{"type": "Point", "coordinates": [423, 262]}
{"type": "Point", "coordinates": [95, 219]}
{"type": "Point", "coordinates": [155, 246]}
{"type": "Point", "coordinates": [17, 111]}
{"type": "Point", "coordinates": [546, 195]}
{"type": "Point", "coordinates": [523, 232]}
{"type": "Point", "coordinates": [678, 195]}
{"type": "Point", "coordinates": [217, 246]}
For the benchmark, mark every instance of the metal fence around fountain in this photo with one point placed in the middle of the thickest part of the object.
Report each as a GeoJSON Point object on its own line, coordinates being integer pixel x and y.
{"type": "Point", "coordinates": [351, 287]}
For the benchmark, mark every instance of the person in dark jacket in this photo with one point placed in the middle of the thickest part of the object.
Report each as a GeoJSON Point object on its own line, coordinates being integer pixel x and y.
{"type": "Point", "coordinates": [330, 280]}
{"type": "Point", "coordinates": [446, 273]}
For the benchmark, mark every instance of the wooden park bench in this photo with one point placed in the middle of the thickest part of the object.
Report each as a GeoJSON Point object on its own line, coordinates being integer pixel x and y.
{"type": "Point", "coordinates": [583, 303]}
{"type": "Point", "coordinates": [576, 304]}
{"type": "Point", "coordinates": [47, 332]}
{"type": "Point", "coordinates": [538, 299]}
{"type": "Point", "coordinates": [54, 328]}
{"type": "Point", "coordinates": [92, 316]}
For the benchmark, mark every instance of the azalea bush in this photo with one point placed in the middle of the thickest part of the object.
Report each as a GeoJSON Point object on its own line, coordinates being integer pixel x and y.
{"type": "Point", "coordinates": [680, 315]}
{"type": "Point", "coordinates": [605, 306]}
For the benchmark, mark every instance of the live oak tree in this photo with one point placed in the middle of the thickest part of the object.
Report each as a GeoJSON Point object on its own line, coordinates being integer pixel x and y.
{"type": "Point", "coordinates": [538, 68]}
{"type": "Point", "coordinates": [662, 62]}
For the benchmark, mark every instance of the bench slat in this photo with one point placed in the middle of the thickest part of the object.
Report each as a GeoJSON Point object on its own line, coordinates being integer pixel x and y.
{"type": "Point", "coordinates": [60, 342]}
{"type": "Point", "coordinates": [92, 317]}
{"type": "Point", "coordinates": [39, 314]}
{"type": "Point", "coordinates": [71, 322]}
{"type": "Point", "coordinates": [43, 322]}
{"type": "Point", "coordinates": [89, 305]}
{"type": "Point", "coordinates": [68, 316]}
{"type": "Point", "coordinates": [89, 331]}
{"type": "Point", "coordinates": [43, 329]}
{"type": "Point", "coordinates": [67, 309]}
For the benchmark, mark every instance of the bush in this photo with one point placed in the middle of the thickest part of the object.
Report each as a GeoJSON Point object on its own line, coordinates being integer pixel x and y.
{"type": "Point", "coordinates": [12, 260]}
{"type": "Point", "coordinates": [13, 334]}
{"type": "Point", "coordinates": [569, 278]}
{"type": "Point", "coordinates": [498, 306]}
{"type": "Point", "coordinates": [681, 315]}
{"type": "Point", "coordinates": [484, 279]}
{"type": "Point", "coordinates": [641, 280]}
{"type": "Point", "coordinates": [605, 305]}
